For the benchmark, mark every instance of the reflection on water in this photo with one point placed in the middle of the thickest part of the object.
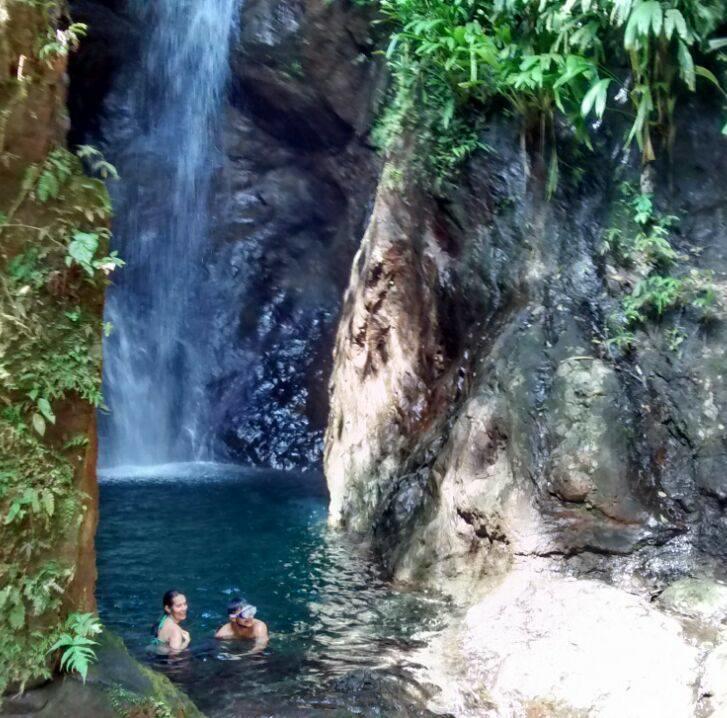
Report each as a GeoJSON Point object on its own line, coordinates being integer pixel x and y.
{"type": "Point", "coordinates": [339, 632]}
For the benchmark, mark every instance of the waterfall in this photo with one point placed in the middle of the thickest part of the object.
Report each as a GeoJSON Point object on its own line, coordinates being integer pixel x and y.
{"type": "Point", "coordinates": [162, 136]}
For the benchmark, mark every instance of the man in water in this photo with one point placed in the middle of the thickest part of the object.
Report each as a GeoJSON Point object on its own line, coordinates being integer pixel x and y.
{"type": "Point", "coordinates": [244, 625]}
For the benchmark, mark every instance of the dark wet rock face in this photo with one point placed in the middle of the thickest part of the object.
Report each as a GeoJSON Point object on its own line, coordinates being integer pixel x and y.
{"type": "Point", "coordinates": [497, 424]}
{"type": "Point", "coordinates": [290, 202]}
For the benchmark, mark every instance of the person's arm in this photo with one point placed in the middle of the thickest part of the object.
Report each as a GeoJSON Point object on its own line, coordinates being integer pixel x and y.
{"type": "Point", "coordinates": [262, 637]}
{"type": "Point", "coordinates": [179, 639]}
{"type": "Point", "coordinates": [223, 631]}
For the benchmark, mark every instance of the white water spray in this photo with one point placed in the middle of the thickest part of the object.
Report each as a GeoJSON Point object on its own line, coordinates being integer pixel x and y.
{"type": "Point", "coordinates": [163, 139]}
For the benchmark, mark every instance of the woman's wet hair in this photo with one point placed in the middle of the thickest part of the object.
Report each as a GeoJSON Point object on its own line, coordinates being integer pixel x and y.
{"type": "Point", "coordinates": [168, 599]}
{"type": "Point", "coordinates": [167, 602]}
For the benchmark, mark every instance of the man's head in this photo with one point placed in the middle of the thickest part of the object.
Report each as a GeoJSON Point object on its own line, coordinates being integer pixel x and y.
{"type": "Point", "coordinates": [241, 612]}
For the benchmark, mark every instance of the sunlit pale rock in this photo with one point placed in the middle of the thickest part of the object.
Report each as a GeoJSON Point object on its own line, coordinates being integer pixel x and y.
{"type": "Point", "coordinates": [542, 645]}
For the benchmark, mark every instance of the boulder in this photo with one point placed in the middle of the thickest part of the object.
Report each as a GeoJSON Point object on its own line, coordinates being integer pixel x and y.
{"type": "Point", "coordinates": [545, 645]}
{"type": "Point", "coordinates": [699, 599]}
{"type": "Point", "coordinates": [116, 685]}
{"type": "Point", "coordinates": [500, 421]}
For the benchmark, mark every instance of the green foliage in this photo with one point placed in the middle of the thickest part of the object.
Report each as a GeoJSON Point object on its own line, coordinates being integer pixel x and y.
{"type": "Point", "coordinates": [28, 595]}
{"type": "Point", "coordinates": [76, 643]}
{"type": "Point", "coordinates": [644, 241]}
{"type": "Point", "coordinates": [549, 60]}
{"type": "Point", "coordinates": [47, 286]}
{"type": "Point", "coordinates": [53, 266]}
{"type": "Point", "coordinates": [660, 38]}
{"type": "Point", "coordinates": [58, 43]}
{"type": "Point", "coordinates": [427, 107]}
{"type": "Point", "coordinates": [83, 249]}
{"type": "Point", "coordinates": [641, 244]}
{"type": "Point", "coordinates": [54, 219]}
{"type": "Point", "coordinates": [51, 275]}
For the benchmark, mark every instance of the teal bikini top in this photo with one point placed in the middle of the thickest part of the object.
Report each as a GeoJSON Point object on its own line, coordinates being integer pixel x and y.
{"type": "Point", "coordinates": [156, 640]}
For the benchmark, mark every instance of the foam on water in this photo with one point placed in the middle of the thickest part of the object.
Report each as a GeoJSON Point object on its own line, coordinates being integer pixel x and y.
{"type": "Point", "coordinates": [177, 471]}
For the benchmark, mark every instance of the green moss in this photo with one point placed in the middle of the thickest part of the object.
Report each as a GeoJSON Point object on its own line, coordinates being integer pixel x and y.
{"type": "Point", "coordinates": [167, 694]}
{"type": "Point", "coordinates": [131, 705]}
{"type": "Point", "coordinates": [164, 700]}
{"type": "Point", "coordinates": [53, 230]}
{"type": "Point", "coordinates": [138, 691]}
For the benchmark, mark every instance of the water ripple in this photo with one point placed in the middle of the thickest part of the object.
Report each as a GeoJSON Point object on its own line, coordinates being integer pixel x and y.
{"type": "Point", "coordinates": [339, 632]}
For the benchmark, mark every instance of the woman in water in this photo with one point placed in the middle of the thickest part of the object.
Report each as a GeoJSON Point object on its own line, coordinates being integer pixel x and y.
{"type": "Point", "coordinates": [168, 634]}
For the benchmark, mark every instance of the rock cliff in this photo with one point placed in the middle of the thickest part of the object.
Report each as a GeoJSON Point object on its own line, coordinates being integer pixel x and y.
{"type": "Point", "coordinates": [490, 440]}
{"type": "Point", "coordinates": [479, 413]}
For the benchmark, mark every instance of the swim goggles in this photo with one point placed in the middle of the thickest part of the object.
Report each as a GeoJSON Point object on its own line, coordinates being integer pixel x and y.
{"type": "Point", "coordinates": [245, 612]}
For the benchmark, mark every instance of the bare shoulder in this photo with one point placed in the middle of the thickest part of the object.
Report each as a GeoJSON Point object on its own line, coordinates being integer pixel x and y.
{"type": "Point", "coordinates": [169, 629]}
{"type": "Point", "coordinates": [260, 629]}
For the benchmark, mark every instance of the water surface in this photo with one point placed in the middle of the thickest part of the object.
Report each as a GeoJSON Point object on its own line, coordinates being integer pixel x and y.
{"type": "Point", "coordinates": [339, 632]}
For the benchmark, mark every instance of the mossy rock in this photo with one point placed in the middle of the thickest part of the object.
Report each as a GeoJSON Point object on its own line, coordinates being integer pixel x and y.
{"type": "Point", "coordinates": [700, 599]}
{"type": "Point", "coordinates": [118, 686]}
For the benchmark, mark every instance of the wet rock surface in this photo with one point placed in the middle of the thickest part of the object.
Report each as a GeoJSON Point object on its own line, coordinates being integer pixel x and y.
{"type": "Point", "coordinates": [702, 600]}
{"type": "Point", "coordinates": [290, 201]}
{"type": "Point", "coordinates": [543, 645]}
{"type": "Point", "coordinates": [296, 190]}
{"type": "Point", "coordinates": [497, 422]}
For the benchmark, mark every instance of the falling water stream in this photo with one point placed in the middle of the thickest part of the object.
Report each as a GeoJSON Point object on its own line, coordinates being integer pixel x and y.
{"type": "Point", "coordinates": [164, 143]}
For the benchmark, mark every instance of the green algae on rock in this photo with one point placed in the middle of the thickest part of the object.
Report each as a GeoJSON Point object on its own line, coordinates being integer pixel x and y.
{"type": "Point", "coordinates": [117, 687]}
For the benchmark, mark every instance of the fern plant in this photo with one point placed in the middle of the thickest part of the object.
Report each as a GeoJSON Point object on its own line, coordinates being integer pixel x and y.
{"type": "Point", "coordinates": [642, 244]}
{"type": "Point", "coordinates": [58, 43]}
{"type": "Point", "coordinates": [77, 644]}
